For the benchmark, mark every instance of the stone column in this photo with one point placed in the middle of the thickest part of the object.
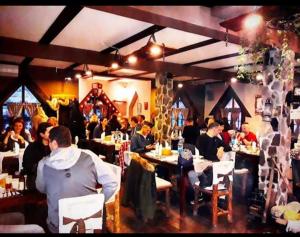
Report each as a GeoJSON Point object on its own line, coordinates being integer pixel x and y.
{"type": "Point", "coordinates": [163, 101]}
{"type": "Point", "coordinates": [276, 135]}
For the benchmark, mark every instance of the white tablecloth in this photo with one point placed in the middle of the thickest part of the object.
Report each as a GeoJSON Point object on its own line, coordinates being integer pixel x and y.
{"type": "Point", "coordinates": [12, 153]}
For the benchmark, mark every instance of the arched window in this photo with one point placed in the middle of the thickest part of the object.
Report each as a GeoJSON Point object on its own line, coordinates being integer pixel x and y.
{"type": "Point", "coordinates": [177, 118]}
{"type": "Point", "coordinates": [234, 115]}
{"type": "Point", "coordinates": [20, 96]}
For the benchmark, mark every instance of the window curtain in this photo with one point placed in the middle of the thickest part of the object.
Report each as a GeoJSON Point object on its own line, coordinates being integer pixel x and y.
{"type": "Point", "coordinates": [14, 109]}
{"type": "Point", "coordinates": [185, 113]}
{"type": "Point", "coordinates": [224, 112]}
{"type": "Point", "coordinates": [175, 112]}
{"type": "Point", "coordinates": [235, 115]}
{"type": "Point", "coordinates": [31, 108]}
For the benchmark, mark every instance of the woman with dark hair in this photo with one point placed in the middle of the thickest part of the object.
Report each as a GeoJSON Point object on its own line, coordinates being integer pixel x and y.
{"type": "Point", "coordinates": [77, 121]}
{"type": "Point", "coordinates": [16, 134]}
{"type": "Point", "coordinates": [35, 152]}
{"type": "Point", "coordinates": [102, 127]}
{"type": "Point", "coordinates": [114, 123]}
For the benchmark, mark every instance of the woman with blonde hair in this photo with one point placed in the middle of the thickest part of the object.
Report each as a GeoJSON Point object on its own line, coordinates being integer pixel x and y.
{"type": "Point", "coordinates": [91, 125]}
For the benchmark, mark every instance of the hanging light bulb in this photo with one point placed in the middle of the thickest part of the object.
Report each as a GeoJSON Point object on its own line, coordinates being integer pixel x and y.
{"type": "Point", "coordinates": [155, 50]}
{"type": "Point", "coordinates": [259, 77]}
{"type": "Point", "coordinates": [114, 65]}
{"type": "Point", "coordinates": [233, 79]}
{"type": "Point", "coordinates": [132, 59]}
{"type": "Point", "coordinates": [180, 85]}
{"type": "Point", "coordinates": [78, 75]}
{"type": "Point", "coordinates": [253, 21]}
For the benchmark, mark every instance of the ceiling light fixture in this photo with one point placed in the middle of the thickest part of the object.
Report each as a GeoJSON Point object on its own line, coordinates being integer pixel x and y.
{"type": "Point", "coordinates": [154, 48]}
{"type": "Point", "coordinates": [253, 21]}
{"type": "Point", "coordinates": [117, 59]}
{"type": "Point", "coordinates": [87, 71]}
{"type": "Point", "coordinates": [233, 80]}
{"type": "Point", "coordinates": [132, 59]}
{"type": "Point", "coordinates": [180, 85]}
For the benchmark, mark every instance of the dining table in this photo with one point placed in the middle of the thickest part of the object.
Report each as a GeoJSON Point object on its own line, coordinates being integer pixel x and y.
{"type": "Point", "coordinates": [12, 160]}
{"type": "Point", "coordinates": [249, 158]}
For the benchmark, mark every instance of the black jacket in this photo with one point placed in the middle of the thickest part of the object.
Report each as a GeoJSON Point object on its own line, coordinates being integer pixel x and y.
{"type": "Point", "coordinates": [32, 155]}
{"type": "Point", "coordinates": [139, 143]}
{"type": "Point", "coordinates": [140, 190]}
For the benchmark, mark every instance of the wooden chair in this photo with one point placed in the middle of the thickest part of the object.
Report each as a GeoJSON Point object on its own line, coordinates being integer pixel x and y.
{"type": "Point", "coordinates": [163, 185]}
{"type": "Point", "coordinates": [221, 187]}
{"type": "Point", "coordinates": [114, 201]}
{"type": "Point", "coordinates": [81, 214]}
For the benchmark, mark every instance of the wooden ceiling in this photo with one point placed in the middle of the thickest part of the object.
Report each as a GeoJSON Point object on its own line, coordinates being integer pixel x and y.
{"type": "Point", "coordinates": [66, 37]}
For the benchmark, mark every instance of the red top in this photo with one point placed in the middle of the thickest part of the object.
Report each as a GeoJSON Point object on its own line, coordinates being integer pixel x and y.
{"type": "Point", "coordinates": [226, 137]}
{"type": "Point", "coordinates": [251, 137]}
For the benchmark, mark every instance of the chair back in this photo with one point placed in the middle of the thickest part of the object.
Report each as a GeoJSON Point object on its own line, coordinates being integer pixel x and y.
{"type": "Point", "coordinates": [223, 172]}
{"type": "Point", "coordinates": [229, 155]}
{"type": "Point", "coordinates": [123, 149]}
{"type": "Point", "coordinates": [117, 171]}
{"type": "Point", "coordinates": [81, 214]}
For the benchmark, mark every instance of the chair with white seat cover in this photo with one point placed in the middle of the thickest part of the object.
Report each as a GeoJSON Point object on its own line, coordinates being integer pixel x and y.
{"type": "Point", "coordinates": [82, 214]}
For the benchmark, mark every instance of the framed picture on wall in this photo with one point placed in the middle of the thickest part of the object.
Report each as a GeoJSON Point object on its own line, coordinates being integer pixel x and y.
{"type": "Point", "coordinates": [258, 104]}
{"type": "Point", "coordinates": [139, 108]}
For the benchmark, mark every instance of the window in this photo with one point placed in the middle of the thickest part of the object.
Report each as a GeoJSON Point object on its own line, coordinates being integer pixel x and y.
{"type": "Point", "coordinates": [179, 121]}
{"type": "Point", "coordinates": [16, 97]}
{"type": "Point", "coordinates": [234, 115]}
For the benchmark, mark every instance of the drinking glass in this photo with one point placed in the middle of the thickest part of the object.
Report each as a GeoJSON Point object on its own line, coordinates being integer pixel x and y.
{"type": "Point", "coordinates": [8, 183]}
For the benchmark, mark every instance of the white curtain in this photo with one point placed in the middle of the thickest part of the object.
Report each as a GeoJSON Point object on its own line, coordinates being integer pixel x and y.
{"type": "Point", "coordinates": [14, 109]}
{"type": "Point", "coordinates": [185, 113]}
{"type": "Point", "coordinates": [31, 108]}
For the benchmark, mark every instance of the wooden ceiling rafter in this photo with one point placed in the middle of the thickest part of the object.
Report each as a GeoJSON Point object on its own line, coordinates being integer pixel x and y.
{"type": "Point", "coordinates": [63, 19]}
{"type": "Point", "coordinates": [144, 33]}
{"type": "Point", "coordinates": [153, 18]}
{"type": "Point", "coordinates": [62, 53]}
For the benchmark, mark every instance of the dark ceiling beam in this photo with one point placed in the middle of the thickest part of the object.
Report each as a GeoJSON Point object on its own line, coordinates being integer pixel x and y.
{"type": "Point", "coordinates": [150, 30]}
{"type": "Point", "coordinates": [190, 47]}
{"type": "Point", "coordinates": [212, 59]}
{"type": "Point", "coordinates": [64, 18]}
{"type": "Point", "coordinates": [157, 19]}
{"type": "Point", "coordinates": [8, 63]}
{"type": "Point", "coordinates": [121, 77]}
{"type": "Point", "coordinates": [62, 53]}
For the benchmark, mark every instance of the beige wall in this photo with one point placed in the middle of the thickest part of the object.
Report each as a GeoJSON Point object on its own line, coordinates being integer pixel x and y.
{"type": "Point", "coordinates": [246, 93]}
{"type": "Point", "coordinates": [122, 90]}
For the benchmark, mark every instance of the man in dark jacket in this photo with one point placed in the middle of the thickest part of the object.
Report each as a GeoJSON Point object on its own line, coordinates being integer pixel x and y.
{"type": "Point", "coordinates": [142, 141]}
{"type": "Point", "coordinates": [35, 152]}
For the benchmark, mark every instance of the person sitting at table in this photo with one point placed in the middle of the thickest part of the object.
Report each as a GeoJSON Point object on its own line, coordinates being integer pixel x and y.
{"type": "Point", "coordinates": [141, 119]}
{"type": "Point", "coordinates": [246, 137]}
{"type": "Point", "coordinates": [190, 132]}
{"type": "Point", "coordinates": [15, 134]}
{"type": "Point", "coordinates": [210, 148]}
{"type": "Point", "coordinates": [125, 127]}
{"type": "Point", "coordinates": [34, 152]}
{"type": "Point", "coordinates": [71, 172]}
{"type": "Point", "coordinates": [133, 124]}
{"type": "Point", "coordinates": [102, 127]}
{"type": "Point", "coordinates": [91, 125]}
{"type": "Point", "coordinates": [224, 136]}
{"type": "Point", "coordinates": [141, 142]}
{"type": "Point", "coordinates": [114, 123]}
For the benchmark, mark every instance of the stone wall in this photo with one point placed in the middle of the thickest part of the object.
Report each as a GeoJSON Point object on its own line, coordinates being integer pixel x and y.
{"type": "Point", "coordinates": [276, 135]}
{"type": "Point", "coordinates": [163, 102]}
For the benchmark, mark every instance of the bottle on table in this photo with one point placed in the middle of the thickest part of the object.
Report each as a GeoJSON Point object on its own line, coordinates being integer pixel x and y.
{"type": "Point", "coordinates": [180, 143]}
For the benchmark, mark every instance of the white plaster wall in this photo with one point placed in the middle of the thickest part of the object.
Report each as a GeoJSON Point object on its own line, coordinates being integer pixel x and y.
{"type": "Point", "coordinates": [246, 93]}
{"type": "Point", "coordinates": [122, 90]}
